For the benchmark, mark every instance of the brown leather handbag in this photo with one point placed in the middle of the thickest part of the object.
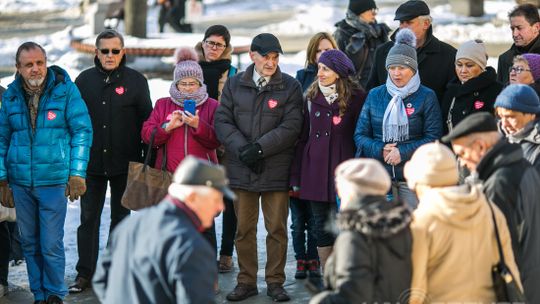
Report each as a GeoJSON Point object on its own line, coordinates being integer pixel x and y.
{"type": "Point", "coordinates": [146, 186]}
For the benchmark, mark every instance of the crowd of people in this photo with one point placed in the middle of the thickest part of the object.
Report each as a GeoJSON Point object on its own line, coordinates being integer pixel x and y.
{"type": "Point", "coordinates": [409, 167]}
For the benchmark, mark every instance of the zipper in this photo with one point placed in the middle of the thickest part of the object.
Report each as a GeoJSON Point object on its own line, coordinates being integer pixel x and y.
{"type": "Point", "coordinates": [185, 141]}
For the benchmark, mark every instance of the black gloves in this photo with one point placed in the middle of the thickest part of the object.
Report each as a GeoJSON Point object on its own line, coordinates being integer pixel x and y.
{"type": "Point", "coordinates": [252, 156]}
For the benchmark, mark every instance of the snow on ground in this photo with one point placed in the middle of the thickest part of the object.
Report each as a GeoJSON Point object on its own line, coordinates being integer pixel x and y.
{"type": "Point", "coordinates": [32, 6]}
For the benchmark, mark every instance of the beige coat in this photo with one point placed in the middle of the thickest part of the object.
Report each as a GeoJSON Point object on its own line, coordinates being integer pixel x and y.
{"type": "Point", "coordinates": [454, 247]}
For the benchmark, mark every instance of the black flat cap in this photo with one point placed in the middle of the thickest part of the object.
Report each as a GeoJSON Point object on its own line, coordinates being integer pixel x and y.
{"type": "Point", "coordinates": [265, 43]}
{"type": "Point", "coordinates": [474, 123]}
{"type": "Point", "coordinates": [197, 172]}
{"type": "Point", "coordinates": [411, 9]}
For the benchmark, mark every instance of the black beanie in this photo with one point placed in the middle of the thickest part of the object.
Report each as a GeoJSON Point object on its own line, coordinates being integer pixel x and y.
{"type": "Point", "coordinates": [218, 30]}
{"type": "Point", "coordinates": [360, 6]}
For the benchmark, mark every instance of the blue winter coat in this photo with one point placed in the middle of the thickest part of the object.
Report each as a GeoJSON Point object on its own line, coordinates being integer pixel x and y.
{"type": "Point", "coordinates": [306, 76]}
{"type": "Point", "coordinates": [60, 145]}
{"type": "Point", "coordinates": [425, 125]}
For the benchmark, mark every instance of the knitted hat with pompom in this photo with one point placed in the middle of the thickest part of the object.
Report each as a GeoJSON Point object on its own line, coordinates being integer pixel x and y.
{"type": "Point", "coordinates": [404, 50]}
{"type": "Point", "coordinates": [186, 65]}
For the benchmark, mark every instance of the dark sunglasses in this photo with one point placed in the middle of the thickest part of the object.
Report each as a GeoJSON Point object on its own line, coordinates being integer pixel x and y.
{"type": "Point", "coordinates": [106, 51]}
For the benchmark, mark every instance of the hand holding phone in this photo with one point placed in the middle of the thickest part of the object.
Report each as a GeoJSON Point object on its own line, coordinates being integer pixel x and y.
{"type": "Point", "coordinates": [189, 106]}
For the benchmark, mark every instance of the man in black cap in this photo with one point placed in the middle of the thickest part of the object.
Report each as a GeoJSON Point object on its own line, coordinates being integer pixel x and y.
{"type": "Point", "coordinates": [435, 58]}
{"type": "Point", "coordinates": [258, 121]}
{"type": "Point", "coordinates": [159, 255]}
{"type": "Point", "coordinates": [509, 181]}
{"type": "Point", "coordinates": [359, 34]}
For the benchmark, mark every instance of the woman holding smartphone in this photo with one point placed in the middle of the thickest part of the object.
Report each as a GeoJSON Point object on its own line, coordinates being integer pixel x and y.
{"type": "Point", "coordinates": [184, 121]}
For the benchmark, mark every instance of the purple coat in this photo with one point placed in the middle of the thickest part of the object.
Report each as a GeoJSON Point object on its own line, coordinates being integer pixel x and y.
{"type": "Point", "coordinates": [325, 142]}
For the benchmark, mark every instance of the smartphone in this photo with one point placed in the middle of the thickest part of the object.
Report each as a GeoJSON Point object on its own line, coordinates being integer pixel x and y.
{"type": "Point", "coordinates": [189, 106]}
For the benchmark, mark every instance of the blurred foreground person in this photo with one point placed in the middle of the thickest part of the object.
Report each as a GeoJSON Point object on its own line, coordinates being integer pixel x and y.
{"type": "Point", "coordinates": [179, 265]}
{"type": "Point", "coordinates": [371, 261]}
{"type": "Point", "coordinates": [454, 244]}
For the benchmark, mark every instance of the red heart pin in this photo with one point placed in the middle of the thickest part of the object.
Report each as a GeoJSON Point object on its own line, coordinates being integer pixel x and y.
{"type": "Point", "coordinates": [51, 115]}
{"type": "Point", "coordinates": [409, 111]}
{"type": "Point", "coordinates": [336, 120]}
{"type": "Point", "coordinates": [120, 90]}
{"type": "Point", "coordinates": [272, 103]}
{"type": "Point", "coordinates": [478, 104]}
{"type": "Point", "coordinates": [168, 117]}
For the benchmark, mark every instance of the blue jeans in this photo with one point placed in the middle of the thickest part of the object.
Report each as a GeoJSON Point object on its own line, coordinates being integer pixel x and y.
{"type": "Point", "coordinates": [302, 222]}
{"type": "Point", "coordinates": [41, 213]}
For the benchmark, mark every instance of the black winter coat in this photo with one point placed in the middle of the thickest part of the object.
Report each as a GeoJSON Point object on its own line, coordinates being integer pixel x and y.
{"type": "Point", "coordinates": [371, 261]}
{"type": "Point", "coordinates": [118, 104]}
{"type": "Point", "coordinates": [506, 59]}
{"type": "Point", "coordinates": [512, 184]}
{"type": "Point", "coordinates": [435, 63]}
{"type": "Point", "coordinates": [476, 95]}
{"type": "Point", "coordinates": [271, 117]}
{"type": "Point", "coordinates": [359, 40]}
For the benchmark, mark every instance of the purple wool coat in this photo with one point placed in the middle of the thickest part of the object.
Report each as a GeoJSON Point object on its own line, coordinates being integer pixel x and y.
{"type": "Point", "coordinates": [325, 142]}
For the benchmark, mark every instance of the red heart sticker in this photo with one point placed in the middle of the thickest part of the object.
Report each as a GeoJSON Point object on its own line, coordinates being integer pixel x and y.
{"type": "Point", "coordinates": [336, 120]}
{"type": "Point", "coordinates": [478, 104]}
{"type": "Point", "coordinates": [120, 90]}
{"type": "Point", "coordinates": [168, 117]}
{"type": "Point", "coordinates": [51, 115]}
{"type": "Point", "coordinates": [409, 111]}
{"type": "Point", "coordinates": [272, 103]}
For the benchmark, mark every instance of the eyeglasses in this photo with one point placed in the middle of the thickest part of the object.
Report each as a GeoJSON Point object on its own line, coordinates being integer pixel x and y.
{"type": "Point", "coordinates": [106, 51]}
{"type": "Point", "coordinates": [213, 44]}
{"type": "Point", "coordinates": [517, 69]}
{"type": "Point", "coordinates": [188, 84]}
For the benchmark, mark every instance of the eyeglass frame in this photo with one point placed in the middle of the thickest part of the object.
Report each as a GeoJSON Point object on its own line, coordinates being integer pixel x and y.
{"type": "Point", "coordinates": [213, 44]}
{"type": "Point", "coordinates": [517, 70]}
{"type": "Point", "coordinates": [107, 51]}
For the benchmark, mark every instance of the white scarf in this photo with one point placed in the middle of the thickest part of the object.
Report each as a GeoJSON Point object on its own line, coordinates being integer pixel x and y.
{"type": "Point", "coordinates": [395, 121]}
{"type": "Point", "coordinates": [329, 93]}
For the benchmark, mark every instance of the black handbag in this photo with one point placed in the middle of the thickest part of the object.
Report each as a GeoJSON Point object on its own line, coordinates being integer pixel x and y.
{"type": "Point", "coordinates": [146, 186]}
{"type": "Point", "coordinates": [506, 288]}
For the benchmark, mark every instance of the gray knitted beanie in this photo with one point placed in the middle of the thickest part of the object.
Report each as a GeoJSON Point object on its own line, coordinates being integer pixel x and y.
{"type": "Point", "coordinates": [404, 50]}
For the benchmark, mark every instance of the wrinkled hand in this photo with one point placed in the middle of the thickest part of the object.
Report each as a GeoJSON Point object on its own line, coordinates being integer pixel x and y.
{"type": "Point", "coordinates": [250, 154]}
{"type": "Point", "coordinates": [387, 148]}
{"type": "Point", "coordinates": [175, 122]}
{"type": "Point", "coordinates": [6, 195]}
{"type": "Point", "coordinates": [393, 157]}
{"type": "Point", "coordinates": [190, 119]}
{"type": "Point", "coordinates": [75, 188]}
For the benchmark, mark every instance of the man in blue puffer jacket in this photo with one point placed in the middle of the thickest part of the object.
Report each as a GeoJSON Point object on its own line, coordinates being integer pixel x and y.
{"type": "Point", "coordinates": [45, 138]}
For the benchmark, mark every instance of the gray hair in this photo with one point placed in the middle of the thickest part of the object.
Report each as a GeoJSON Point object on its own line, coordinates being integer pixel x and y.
{"type": "Point", "coordinates": [108, 34]}
{"type": "Point", "coordinates": [426, 17]}
{"type": "Point", "coordinates": [29, 45]}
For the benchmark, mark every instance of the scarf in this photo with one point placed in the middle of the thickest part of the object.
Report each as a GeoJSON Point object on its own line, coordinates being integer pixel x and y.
{"type": "Point", "coordinates": [200, 96]}
{"type": "Point", "coordinates": [329, 93]}
{"type": "Point", "coordinates": [212, 72]}
{"type": "Point", "coordinates": [367, 29]}
{"type": "Point", "coordinates": [395, 121]}
{"type": "Point", "coordinates": [32, 99]}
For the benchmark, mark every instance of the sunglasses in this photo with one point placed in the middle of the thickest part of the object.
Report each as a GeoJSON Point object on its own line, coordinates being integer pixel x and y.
{"type": "Point", "coordinates": [517, 70]}
{"type": "Point", "coordinates": [106, 51]}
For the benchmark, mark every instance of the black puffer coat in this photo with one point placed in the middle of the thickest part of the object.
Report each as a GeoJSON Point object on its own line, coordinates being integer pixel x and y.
{"type": "Point", "coordinates": [371, 261]}
{"type": "Point", "coordinates": [506, 59]}
{"type": "Point", "coordinates": [476, 95]}
{"type": "Point", "coordinates": [118, 104]}
{"type": "Point", "coordinates": [271, 117]}
{"type": "Point", "coordinates": [435, 63]}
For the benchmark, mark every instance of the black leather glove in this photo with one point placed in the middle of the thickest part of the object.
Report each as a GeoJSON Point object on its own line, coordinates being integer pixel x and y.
{"type": "Point", "coordinates": [250, 154]}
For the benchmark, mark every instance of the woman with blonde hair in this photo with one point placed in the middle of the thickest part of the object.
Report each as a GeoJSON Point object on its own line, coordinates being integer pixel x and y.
{"type": "Point", "coordinates": [319, 43]}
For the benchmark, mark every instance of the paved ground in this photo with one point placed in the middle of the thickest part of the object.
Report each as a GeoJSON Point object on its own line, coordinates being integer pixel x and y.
{"type": "Point", "coordinates": [296, 289]}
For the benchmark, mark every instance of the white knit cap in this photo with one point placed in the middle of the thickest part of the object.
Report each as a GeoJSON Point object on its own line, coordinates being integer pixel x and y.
{"type": "Point", "coordinates": [367, 176]}
{"type": "Point", "coordinates": [474, 50]}
{"type": "Point", "coordinates": [433, 165]}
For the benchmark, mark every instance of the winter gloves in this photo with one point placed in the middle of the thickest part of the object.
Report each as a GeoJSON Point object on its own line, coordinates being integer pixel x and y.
{"type": "Point", "coordinates": [6, 195]}
{"type": "Point", "coordinates": [75, 188]}
{"type": "Point", "coordinates": [252, 156]}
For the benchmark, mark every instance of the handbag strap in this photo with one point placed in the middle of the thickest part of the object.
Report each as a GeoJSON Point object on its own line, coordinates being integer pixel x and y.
{"type": "Point", "coordinates": [149, 152]}
{"type": "Point", "coordinates": [501, 256]}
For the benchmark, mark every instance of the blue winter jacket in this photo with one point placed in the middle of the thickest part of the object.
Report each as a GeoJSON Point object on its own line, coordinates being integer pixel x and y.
{"type": "Point", "coordinates": [306, 76]}
{"type": "Point", "coordinates": [60, 145]}
{"type": "Point", "coordinates": [425, 125]}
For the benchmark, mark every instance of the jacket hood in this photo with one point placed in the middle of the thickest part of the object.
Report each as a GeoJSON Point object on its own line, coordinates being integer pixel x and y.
{"type": "Point", "coordinates": [55, 76]}
{"type": "Point", "coordinates": [227, 53]}
{"type": "Point", "coordinates": [459, 206]}
{"type": "Point", "coordinates": [375, 217]}
{"type": "Point", "coordinates": [501, 155]}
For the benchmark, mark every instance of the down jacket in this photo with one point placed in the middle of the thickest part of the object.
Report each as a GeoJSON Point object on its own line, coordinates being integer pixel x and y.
{"type": "Point", "coordinates": [271, 117]}
{"type": "Point", "coordinates": [184, 140]}
{"type": "Point", "coordinates": [60, 145]}
{"type": "Point", "coordinates": [371, 261]}
{"type": "Point", "coordinates": [424, 125]}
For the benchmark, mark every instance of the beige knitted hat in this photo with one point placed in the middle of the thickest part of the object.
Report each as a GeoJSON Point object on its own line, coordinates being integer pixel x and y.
{"type": "Point", "coordinates": [433, 165]}
{"type": "Point", "coordinates": [367, 175]}
{"type": "Point", "coordinates": [475, 51]}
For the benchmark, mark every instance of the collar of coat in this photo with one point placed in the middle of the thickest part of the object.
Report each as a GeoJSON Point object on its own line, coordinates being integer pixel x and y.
{"type": "Point", "coordinates": [55, 76]}
{"type": "Point", "coordinates": [190, 214]}
{"type": "Point", "coordinates": [484, 80]}
{"type": "Point", "coordinates": [533, 47]}
{"type": "Point", "coordinates": [111, 75]}
{"type": "Point", "coordinates": [502, 154]}
{"type": "Point", "coordinates": [275, 83]}
{"type": "Point", "coordinates": [530, 133]}
{"type": "Point", "coordinates": [374, 216]}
